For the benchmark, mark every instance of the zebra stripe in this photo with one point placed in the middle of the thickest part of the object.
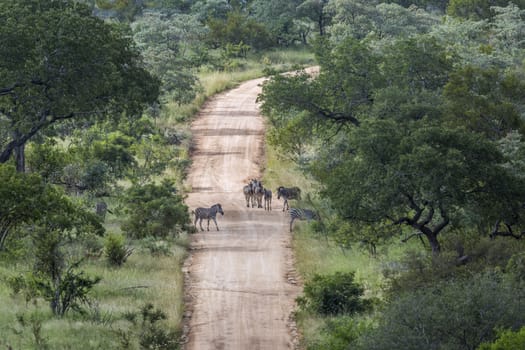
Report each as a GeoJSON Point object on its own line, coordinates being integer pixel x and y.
{"type": "Point", "coordinates": [258, 192]}
{"type": "Point", "coordinates": [208, 213]}
{"type": "Point", "coordinates": [302, 214]}
{"type": "Point", "coordinates": [288, 193]}
{"type": "Point", "coordinates": [248, 194]}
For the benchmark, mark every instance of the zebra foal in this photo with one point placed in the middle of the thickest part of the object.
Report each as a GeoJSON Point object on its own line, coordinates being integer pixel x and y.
{"type": "Point", "coordinates": [267, 199]}
{"type": "Point", "coordinates": [288, 193]}
{"type": "Point", "coordinates": [207, 213]}
{"type": "Point", "coordinates": [302, 214]}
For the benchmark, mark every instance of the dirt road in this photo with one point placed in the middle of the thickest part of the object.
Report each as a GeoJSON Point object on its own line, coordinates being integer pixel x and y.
{"type": "Point", "coordinates": [240, 288]}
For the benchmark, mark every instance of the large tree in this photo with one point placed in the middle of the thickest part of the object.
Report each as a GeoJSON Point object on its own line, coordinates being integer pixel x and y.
{"type": "Point", "coordinates": [59, 64]}
{"type": "Point", "coordinates": [394, 150]}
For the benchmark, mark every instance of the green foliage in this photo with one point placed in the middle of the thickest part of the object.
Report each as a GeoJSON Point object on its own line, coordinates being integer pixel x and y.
{"type": "Point", "coordinates": [507, 340]}
{"type": "Point", "coordinates": [486, 100]}
{"type": "Point", "coordinates": [115, 152]}
{"type": "Point", "coordinates": [34, 322]}
{"type": "Point", "coordinates": [154, 210]}
{"type": "Point", "coordinates": [115, 249]}
{"type": "Point", "coordinates": [149, 331]}
{"type": "Point", "coordinates": [477, 9]}
{"type": "Point", "coordinates": [338, 333]}
{"type": "Point", "coordinates": [60, 66]}
{"type": "Point", "coordinates": [54, 277]}
{"type": "Point", "coordinates": [156, 247]}
{"type": "Point", "coordinates": [450, 315]}
{"type": "Point", "coordinates": [172, 44]}
{"type": "Point", "coordinates": [26, 199]}
{"type": "Point", "coordinates": [237, 29]}
{"type": "Point", "coordinates": [280, 18]}
{"type": "Point", "coordinates": [47, 159]}
{"type": "Point", "coordinates": [334, 294]}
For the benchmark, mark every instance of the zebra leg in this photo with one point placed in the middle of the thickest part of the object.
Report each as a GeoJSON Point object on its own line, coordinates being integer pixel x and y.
{"type": "Point", "coordinates": [200, 224]}
{"type": "Point", "coordinates": [291, 223]}
{"type": "Point", "coordinates": [208, 228]}
{"type": "Point", "coordinates": [214, 220]}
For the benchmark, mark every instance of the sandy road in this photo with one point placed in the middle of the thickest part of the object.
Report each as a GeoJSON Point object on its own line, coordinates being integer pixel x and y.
{"type": "Point", "coordinates": [240, 289]}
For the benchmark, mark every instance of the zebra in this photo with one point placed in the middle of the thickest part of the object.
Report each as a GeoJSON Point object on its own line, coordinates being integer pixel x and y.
{"type": "Point", "coordinates": [267, 199]}
{"type": "Point", "coordinates": [258, 192]}
{"type": "Point", "coordinates": [302, 214]}
{"type": "Point", "coordinates": [207, 213]}
{"type": "Point", "coordinates": [248, 194]}
{"type": "Point", "coordinates": [288, 193]}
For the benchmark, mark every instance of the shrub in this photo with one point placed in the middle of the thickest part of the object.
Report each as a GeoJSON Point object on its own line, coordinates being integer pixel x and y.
{"type": "Point", "coordinates": [115, 249]}
{"type": "Point", "coordinates": [454, 314]}
{"type": "Point", "coordinates": [156, 247]}
{"type": "Point", "coordinates": [334, 294]}
{"type": "Point", "coordinates": [338, 334]}
{"type": "Point", "coordinates": [507, 340]}
{"type": "Point", "coordinates": [154, 210]}
{"type": "Point", "coordinates": [148, 330]}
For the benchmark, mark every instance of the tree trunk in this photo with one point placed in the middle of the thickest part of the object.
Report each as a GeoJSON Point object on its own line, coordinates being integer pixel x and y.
{"type": "Point", "coordinates": [434, 243]}
{"type": "Point", "coordinates": [20, 158]}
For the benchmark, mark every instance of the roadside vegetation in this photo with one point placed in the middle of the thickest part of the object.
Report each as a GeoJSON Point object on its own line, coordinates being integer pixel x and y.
{"type": "Point", "coordinates": [94, 148]}
{"type": "Point", "coordinates": [408, 143]}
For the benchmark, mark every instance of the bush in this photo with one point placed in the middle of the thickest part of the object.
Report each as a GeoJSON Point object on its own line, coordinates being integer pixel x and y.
{"type": "Point", "coordinates": [338, 334]}
{"type": "Point", "coordinates": [334, 294]}
{"type": "Point", "coordinates": [148, 330]}
{"type": "Point", "coordinates": [454, 314]}
{"type": "Point", "coordinates": [507, 340]}
{"type": "Point", "coordinates": [156, 247]}
{"type": "Point", "coordinates": [115, 249]}
{"type": "Point", "coordinates": [154, 210]}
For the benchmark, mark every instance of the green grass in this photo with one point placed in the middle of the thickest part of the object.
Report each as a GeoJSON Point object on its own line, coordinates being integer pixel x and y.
{"type": "Point", "coordinates": [142, 279]}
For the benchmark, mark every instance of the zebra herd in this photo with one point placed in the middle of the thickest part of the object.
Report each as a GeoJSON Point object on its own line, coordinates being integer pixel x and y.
{"type": "Point", "coordinates": [255, 194]}
{"type": "Point", "coordinates": [254, 191]}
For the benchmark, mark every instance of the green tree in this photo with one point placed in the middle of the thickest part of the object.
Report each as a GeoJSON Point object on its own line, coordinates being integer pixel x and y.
{"type": "Point", "coordinates": [451, 315]}
{"type": "Point", "coordinates": [384, 152]}
{"type": "Point", "coordinates": [280, 18]}
{"type": "Point", "coordinates": [507, 340]}
{"type": "Point", "coordinates": [61, 65]}
{"type": "Point", "coordinates": [486, 100]}
{"type": "Point", "coordinates": [477, 9]}
{"type": "Point", "coordinates": [237, 29]}
{"type": "Point", "coordinates": [315, 11]}
{"type": "Point", "coordinates": [154, 210]}
{"type": "Point", "coordinates": [27, 200]}
{"type": "Point", "coordinates": [171, 45]}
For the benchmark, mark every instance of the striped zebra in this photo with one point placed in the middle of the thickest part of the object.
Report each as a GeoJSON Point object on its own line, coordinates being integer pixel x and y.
{"type": "Point", "coordinates": [302, 214]}
{"type": "Point", "coordinates": [288, 193]}
{"type": "Point", "coordinates": [248, 194]}
{"type": "Point", "coordinates": [267, 199]}
{"type": "Point", "coordinates": [258, 192]}
{"type": "Point", "coordinates": [207, 213]}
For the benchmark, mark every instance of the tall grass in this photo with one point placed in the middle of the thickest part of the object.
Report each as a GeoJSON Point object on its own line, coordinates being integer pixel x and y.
{"type": "Point", "coordinates": [144, 278]}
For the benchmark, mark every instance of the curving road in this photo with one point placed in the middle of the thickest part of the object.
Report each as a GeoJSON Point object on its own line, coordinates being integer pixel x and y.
{"type": "Point", "coordinates": [240, 284]}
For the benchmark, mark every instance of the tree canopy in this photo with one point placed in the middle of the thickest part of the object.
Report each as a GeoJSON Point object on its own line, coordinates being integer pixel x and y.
{"type": "Point", "coordinates": [403, 136]}
{"type": "Point", "coordinates": [59, 64]}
